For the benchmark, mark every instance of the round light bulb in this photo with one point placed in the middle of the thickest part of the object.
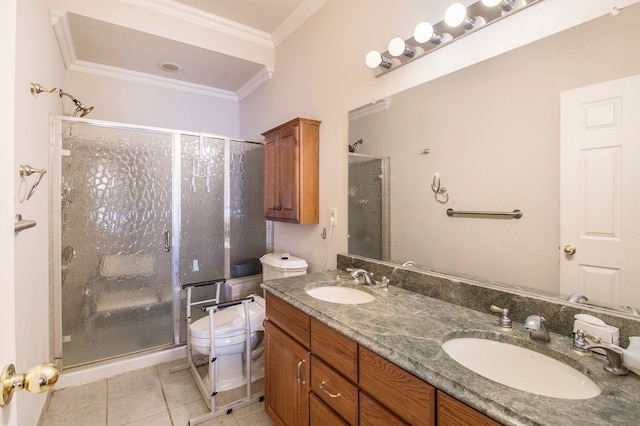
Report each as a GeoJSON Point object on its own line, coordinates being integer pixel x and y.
{"type": "Point", "coordinates": [373, 59]}
{"type": "Point", "coordinates": [423, 32]}
{"type": "Point", "coordinates": [491, 3]}
{"type": "Point", "coordinates": [455, 15]}
{"type": "Point", "coordinates": [397, 46]}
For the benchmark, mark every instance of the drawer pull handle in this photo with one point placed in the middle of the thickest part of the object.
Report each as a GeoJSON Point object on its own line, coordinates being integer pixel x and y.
{"type": "Point", "coordinates": [299, 375]}
{"type": "Point", "coordinates": [328, 392]}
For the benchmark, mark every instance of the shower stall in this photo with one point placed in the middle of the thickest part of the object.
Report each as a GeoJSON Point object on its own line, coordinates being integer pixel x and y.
{"type": "Point", "coordinates": [369, 206]}
{"type": "Point", "coordinates": [137, 213]}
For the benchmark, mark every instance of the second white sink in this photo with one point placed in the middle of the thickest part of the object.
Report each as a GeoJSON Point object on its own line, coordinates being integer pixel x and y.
{"type": "Point", "coordinates": [521, 368]}
{"type": "Point", "coordinates": [340, 294]}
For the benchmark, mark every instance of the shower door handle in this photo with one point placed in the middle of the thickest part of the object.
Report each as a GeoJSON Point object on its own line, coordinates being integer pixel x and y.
{"type": "Point", "coordinates": [167, 240]}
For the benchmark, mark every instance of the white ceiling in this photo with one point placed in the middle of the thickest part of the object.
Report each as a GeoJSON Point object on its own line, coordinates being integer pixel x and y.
{"type": "Point", "coordinates": [225, 47]}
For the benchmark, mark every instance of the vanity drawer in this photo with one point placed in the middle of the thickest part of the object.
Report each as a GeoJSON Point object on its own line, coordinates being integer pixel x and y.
{"type": "Point", "coordinates": [452, 412]}
{"type": "Point", "coordinates": [292, 320]}
{"type": "Point", "coordinates": [321, 415]}
{"type": "Point", "coordinates": [336, 391]}
{"type": "Point", "coordinates": [404, 394]}
{"type": "Point", "coordinates": [372, 413]}
{"type": "Point", "coordinates": [335, 349]}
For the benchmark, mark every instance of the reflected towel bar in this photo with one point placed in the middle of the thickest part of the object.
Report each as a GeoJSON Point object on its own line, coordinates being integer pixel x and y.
{"type": "Point", "coordinates": [516, 214]}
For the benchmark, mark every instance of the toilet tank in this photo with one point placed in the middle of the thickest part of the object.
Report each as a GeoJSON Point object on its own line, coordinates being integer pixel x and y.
{"type": "Point", "coordinates": [282, 265]}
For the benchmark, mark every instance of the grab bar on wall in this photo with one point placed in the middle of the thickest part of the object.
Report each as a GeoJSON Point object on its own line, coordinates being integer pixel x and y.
{"type": "Point", "coordinates": [516, 214]}
{"type": "Point", "coordinates": [21, 224]}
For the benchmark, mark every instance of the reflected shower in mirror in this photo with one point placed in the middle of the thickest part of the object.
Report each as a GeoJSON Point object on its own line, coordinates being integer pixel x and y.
{"type": "Point", "coordinates": [493, 129]}
{"type": "Point", "coordinates": [369, 206]}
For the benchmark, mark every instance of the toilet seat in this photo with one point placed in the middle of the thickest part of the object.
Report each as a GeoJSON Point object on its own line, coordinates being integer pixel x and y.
{"type": "Point", "coordinates": [229, 324]}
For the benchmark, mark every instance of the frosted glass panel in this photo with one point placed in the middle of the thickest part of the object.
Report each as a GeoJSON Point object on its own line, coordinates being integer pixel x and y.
{"type": "Point", "coordinates": [202, 188]}
{"type": "Point", "coordinates": [143, 212]}
{"type": "Point", "coordinates": [116, 274]}
{"type": "Point", "coordinates": [248, 225]}
{"type": "Point", "coordinates": [365, 206]}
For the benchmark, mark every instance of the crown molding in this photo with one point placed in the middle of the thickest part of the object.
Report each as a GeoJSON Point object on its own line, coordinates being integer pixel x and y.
{"type": "Point", "coordinates": [296, 19]}
{"type": "Point", "coordinates": [152, 80]}
{"type": "Point", "coordinates": [372, 108]}
{"type": "Point", "coordinates": [199, 17]}
{"type": "Point", "coordinates": [258, 80]}
{"type": "Point", "coordinates": [60, 23]}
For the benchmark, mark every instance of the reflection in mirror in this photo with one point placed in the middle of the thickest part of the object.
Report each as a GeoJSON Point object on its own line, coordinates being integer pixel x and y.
{"type": "Point", "coordinates": [369, 206]}
{"type": "Point", "coordinates": [492, 131]}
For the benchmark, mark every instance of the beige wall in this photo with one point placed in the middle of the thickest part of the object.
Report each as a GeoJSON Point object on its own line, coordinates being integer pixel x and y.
{"type": "Point", "coordinates": [320, 74]}
{"type": "Point", "coordinates": [37, 59]}
{"type": "Point", "coordinates": [123, 101]}
{"type": "Point", "coordinates": [8, 415]}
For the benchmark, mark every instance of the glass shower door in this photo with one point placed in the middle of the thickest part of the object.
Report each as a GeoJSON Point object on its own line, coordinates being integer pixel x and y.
{"type": "Point", "coordinates": [369, 207]}
{"type": "Point", "coordinates": [116, 192]}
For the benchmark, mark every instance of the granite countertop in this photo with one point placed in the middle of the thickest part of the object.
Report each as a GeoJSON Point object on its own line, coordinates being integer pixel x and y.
{"type": "Point", "coordinates": [408, 329]}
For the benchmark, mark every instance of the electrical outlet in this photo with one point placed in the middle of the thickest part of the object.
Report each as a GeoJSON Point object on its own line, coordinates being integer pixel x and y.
{"type": "Point", "coordinates": [333, 216]}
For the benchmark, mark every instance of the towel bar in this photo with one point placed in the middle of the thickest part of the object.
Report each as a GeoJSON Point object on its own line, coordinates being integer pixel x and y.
{"type": "Point", "coordinates": [516, 214]}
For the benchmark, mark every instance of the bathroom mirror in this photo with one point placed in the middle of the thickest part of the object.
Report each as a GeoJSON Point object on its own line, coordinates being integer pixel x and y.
{"type": "Point", "coordinates": [491, 132]}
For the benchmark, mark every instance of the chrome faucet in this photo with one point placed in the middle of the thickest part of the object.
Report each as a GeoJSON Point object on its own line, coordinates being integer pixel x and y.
{"type": "Point", "coordinates": [537, 328]}
{"type": "Point", "coordinates": [504, 322]}
{"type": "Point", "coordinates": [577, 298]}
{"type": "Point", "coordinates": [614, 358]}
{"type": "Point", "coordinates": [357, 273]}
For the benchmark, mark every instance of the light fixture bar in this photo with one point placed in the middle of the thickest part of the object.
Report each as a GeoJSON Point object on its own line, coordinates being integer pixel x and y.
{"type": "Point", "coordinates": [428, 38]}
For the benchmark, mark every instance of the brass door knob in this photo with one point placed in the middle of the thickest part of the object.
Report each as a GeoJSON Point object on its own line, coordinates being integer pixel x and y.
{"type": "Point", "coordinates": [569, 250]}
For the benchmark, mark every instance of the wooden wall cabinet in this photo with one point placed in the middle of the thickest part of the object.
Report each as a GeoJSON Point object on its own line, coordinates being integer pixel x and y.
{"type": "Point", "coordinates": [316, 376]}
{"type": "Point", "coordinates": [291, 172]}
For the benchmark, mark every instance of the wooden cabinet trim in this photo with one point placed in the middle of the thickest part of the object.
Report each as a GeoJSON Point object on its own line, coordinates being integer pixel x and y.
{"type": "Point", "coordinates": [372, 413]}
{"type": "Point", "coordinates": [452, 412]}
{"type": "Point", "coordinates": [406, 395]}
{"type": "Point", "coordinates": [346, 401]}
{"type": "Point", "coordinates": [335, 349]}
{"type": "Point", "coordinates": [321, 415]}
{"type": "Point", "coordinates": [290, 319]}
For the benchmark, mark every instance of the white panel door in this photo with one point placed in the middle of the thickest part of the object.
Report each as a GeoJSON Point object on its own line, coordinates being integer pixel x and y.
{"type": "Point", "coordinates": [600, 192]}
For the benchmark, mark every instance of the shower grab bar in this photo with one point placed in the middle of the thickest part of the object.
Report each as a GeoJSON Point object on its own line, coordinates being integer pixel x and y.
{"type": "Point", "coordinates": [516, 214]}
{"type": "Point", "coordinates": [227, 304]}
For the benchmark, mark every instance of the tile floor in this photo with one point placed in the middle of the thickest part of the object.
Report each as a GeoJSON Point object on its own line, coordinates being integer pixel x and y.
{"type": "Point", "coordinates": [149, 396]}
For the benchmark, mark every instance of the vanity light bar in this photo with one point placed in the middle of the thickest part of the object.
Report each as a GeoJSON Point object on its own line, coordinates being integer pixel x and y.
{"type": "Point", "coordinates": [427, 38]}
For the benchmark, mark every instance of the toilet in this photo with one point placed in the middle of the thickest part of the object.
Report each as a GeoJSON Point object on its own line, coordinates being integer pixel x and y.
{"type": "Point", "coordinates": [231, 342]}
{"type": "Point", "coordinates": [230, 333]}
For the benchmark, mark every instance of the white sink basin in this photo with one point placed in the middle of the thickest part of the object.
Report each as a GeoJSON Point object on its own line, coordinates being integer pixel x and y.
{"type": "Point", "coordinates": [521, 368]}
{"type": "Point", "coordinates": [342, 295]}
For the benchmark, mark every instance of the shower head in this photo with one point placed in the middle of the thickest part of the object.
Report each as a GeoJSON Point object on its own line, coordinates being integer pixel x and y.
{"type": "Point", "coordinates": [352, 147]}
{"type": "Point", "coordinates": [80, 107]}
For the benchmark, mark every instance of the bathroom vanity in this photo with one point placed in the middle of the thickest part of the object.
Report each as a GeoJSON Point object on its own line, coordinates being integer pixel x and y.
{"type": "Point", "coordinates": [382, 362]}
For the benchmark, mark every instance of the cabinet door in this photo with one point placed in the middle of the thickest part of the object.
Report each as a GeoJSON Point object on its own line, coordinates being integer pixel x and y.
{"type": "Point", "coordinates": [287, 367]}
{"type": "Point", "coordinates": [452, 412]}
{"type": "Point", "coordinates": [271, 198]}
{"type": "Point", "coordinates": [289, 170]}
